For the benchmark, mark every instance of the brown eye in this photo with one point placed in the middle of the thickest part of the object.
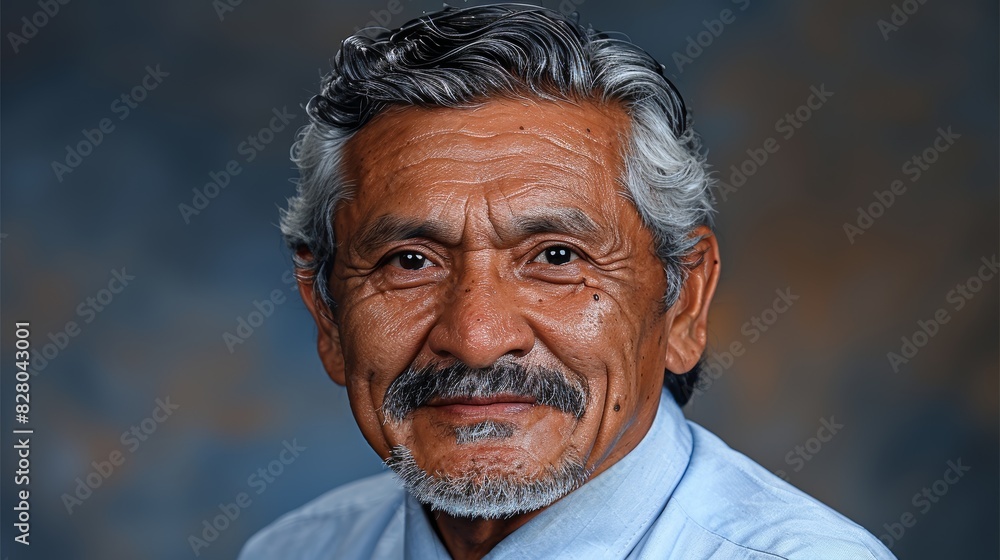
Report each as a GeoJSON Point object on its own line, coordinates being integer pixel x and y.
{"type": "Point", "coordinates": [409, 260]}
{"type": "Point", "coordinates": [557, 255]}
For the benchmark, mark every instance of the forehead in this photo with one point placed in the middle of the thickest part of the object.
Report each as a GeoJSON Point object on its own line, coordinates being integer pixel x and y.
{"type": "Point", "coordinates": [522, 153]}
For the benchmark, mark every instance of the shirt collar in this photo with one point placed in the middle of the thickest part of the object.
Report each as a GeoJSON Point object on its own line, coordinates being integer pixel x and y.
{"type": "Point", "coordinates": [604, 518]}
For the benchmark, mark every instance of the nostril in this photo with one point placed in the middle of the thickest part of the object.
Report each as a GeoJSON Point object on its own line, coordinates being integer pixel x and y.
{"type": "Point", "coordinates": [443, 354]}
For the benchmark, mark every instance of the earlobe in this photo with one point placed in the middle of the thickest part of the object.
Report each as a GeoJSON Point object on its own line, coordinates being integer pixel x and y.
{"type": "Point", "coordinates": [688, 330]}
{"type": "Point", "coordinates": [328, 337]}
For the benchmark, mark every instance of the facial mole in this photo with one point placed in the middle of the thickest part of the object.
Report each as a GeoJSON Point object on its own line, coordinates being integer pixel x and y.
{"type": "Point", "coordinates": [597, 297]}
{"type": "Point", "coordinates": [588, 131]}
{"type": "Point", "coordinates": [467, 290]}
{"type": "Point", "coordinates": [617, 407]}
{"type": "Point", "coordinates": [520, 128]}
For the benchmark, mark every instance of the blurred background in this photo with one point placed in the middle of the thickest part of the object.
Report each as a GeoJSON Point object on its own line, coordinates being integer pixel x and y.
{"type": "Point", "coordinates": [145, 156]}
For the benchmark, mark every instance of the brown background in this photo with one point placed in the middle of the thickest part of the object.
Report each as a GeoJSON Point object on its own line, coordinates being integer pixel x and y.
{"type": "Point", "coordinates": [162, 336]}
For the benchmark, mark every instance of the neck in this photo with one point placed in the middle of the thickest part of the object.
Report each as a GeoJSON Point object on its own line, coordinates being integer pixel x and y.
{"type": "Point", "coordinates": [473, 538]}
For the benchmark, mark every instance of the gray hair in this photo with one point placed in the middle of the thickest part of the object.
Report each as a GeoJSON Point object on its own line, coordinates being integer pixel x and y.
{"type": "Point", "coordinates": [462, 57]}
{"type": "Point", "coordinates": [490, 493]}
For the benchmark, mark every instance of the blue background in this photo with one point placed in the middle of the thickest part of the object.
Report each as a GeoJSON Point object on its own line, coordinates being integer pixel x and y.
{"type": "Point", "coordinates": [162, 335]}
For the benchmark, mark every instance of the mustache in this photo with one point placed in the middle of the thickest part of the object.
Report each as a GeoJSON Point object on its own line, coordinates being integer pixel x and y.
{"type": "Point", "coordinates": [415, 387]}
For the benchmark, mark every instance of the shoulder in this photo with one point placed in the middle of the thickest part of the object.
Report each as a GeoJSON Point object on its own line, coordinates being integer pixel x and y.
{"type": "Point", "coordinates": [345, 522]}
{"type": "Point", "coordinates": [729, 496]}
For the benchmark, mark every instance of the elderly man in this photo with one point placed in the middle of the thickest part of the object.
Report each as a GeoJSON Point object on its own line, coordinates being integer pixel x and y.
{"type": "Point", "coordinates": [503, 232]}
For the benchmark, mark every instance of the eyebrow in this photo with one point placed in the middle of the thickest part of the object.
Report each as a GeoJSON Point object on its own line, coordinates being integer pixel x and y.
{"type": "Point", "coordinates": [388, 229]}
{"type": "Point", "coordinates": [571, 221]}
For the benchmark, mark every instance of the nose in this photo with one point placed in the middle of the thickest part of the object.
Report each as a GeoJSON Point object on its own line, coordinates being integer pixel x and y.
{"type": "Point", "coordinates": [480, 320]}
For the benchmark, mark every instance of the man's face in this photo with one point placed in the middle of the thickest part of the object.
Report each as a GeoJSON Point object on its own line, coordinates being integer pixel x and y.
{"type": "Point", "coordinates": [498, 234]}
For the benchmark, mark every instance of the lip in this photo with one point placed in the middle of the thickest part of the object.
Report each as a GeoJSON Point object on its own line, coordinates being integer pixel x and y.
{"type": "Point", "coordinates": [499, 405]}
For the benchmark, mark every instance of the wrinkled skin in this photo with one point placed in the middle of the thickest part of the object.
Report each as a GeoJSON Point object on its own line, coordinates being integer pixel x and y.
{"type": "Point", "coordinates": [480, 195]}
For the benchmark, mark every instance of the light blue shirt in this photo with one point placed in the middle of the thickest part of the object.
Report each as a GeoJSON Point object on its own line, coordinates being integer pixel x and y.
{"type": "Point", "coordinates": [681, 494]}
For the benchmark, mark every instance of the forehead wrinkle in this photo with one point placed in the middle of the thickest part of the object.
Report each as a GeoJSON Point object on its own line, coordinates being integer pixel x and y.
{"type": "Point", "coordinates": [606, 129]}
{"type": "Point", "coordinates": [414, 176]}
{"type": "Point", "coordinates": [524, 218]}
{"type": "Point", "coordinates": [442, 144]}
{"type": "Point", "coordinates": [441, 147]}
{"type": "Point", "coordinates": [441, 156]}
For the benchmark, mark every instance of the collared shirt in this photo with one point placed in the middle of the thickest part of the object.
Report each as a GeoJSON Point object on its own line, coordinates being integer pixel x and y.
{"type": "Point", "coordinates": [681, 494]}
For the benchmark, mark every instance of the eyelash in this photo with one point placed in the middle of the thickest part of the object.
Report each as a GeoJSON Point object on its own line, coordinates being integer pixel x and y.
{"type": "Point", "coordinates": [388, 260]}
{"type": "Point", "coordinates": [399, 255]}
{"type": "Point", "coordinates": [561, 246]}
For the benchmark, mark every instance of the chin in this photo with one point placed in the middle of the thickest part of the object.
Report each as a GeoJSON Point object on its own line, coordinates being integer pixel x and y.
{"type": "Point", "coordinates": [487, 487]}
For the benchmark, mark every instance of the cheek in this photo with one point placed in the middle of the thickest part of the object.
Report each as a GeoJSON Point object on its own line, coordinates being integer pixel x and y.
{"type": "Point", "coordinates": [612, 339]}
{"type": "Point", "coordinates": [381, 335]}
{"type": "Point", "coordinates": [585, 327]}
{"type": "Point", "coordinates": [385, 328]}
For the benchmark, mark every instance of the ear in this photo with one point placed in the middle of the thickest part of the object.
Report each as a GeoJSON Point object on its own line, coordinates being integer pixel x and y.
{"type": "Point", "coordinates": [328, 341]}
{"type": "Point", "coordinates": [688, 331]}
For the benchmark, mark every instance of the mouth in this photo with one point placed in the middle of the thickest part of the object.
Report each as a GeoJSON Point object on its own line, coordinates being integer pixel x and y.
{"type": "Point", "coordinates": [481, 407]}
